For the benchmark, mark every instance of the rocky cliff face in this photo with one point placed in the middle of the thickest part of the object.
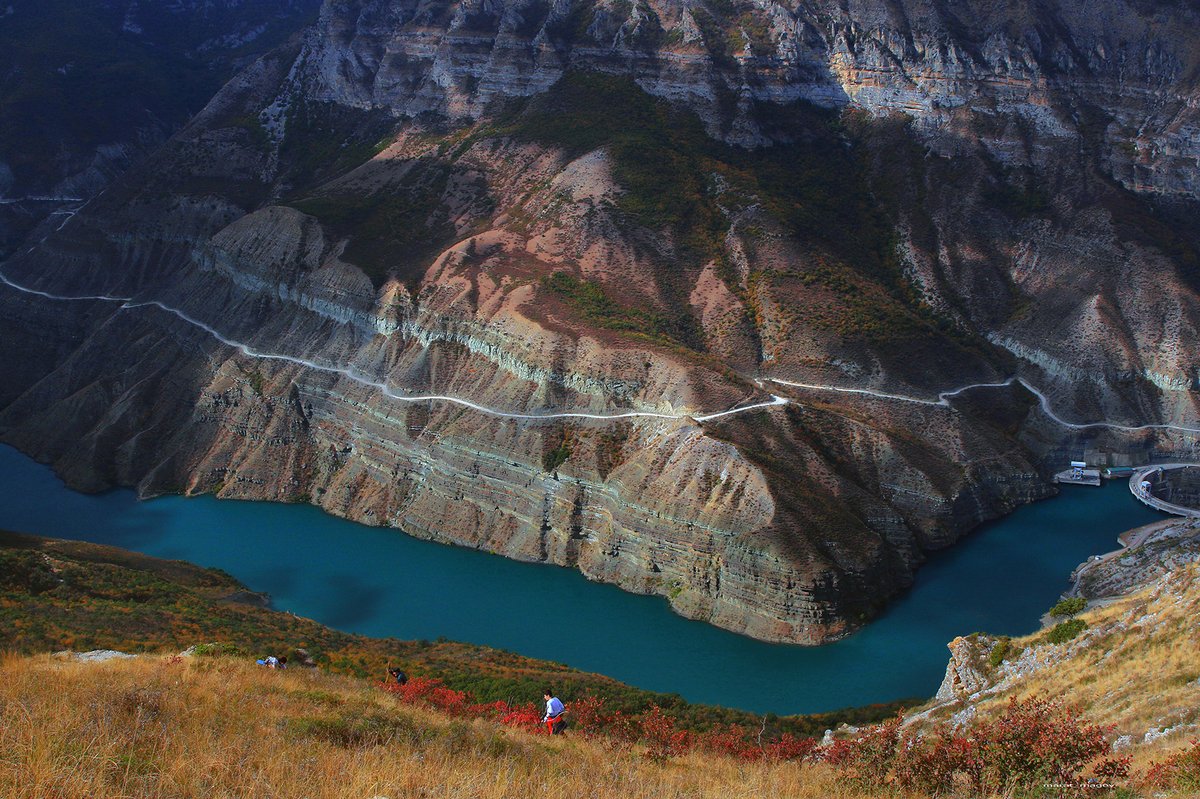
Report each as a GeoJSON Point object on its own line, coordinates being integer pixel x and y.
{"type": "Point", "coordinates": [487, 272]}
{"type": "Point", "coordinates": [89, 87]}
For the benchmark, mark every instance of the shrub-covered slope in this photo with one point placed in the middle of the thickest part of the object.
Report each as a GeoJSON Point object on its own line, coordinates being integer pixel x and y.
{"type": "Point", "coordinates": [1129, 661]}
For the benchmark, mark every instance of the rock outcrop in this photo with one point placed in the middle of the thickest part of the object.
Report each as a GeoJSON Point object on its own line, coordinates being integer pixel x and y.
{"type": "Point", "coordinates": [1127, 660]}
{"type": "Point", "coordinates": [1150, 553]}
{"type": "Point", "coordinates": [966, 673]}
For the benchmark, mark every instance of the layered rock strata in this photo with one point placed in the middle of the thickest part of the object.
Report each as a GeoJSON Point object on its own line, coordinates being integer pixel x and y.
{"type": "Point", "coordinates": [646, 212]}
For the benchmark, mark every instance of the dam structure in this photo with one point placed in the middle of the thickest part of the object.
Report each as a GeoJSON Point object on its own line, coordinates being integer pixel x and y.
{"type": "Point", "coordinates": [1169, 487]}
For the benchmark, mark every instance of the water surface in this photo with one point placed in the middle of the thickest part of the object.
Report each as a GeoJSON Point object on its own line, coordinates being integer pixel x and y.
{"type": "Point", "coordinates": [381, 582]}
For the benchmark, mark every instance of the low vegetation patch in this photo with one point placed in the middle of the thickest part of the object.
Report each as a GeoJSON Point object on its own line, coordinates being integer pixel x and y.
{"type": "Point", "coordinates": [591, 717]}
{"type": "Point", "coordinates": [1035, 743]}
{"type": "Point", "coordinates": [1068, 607]}
{"type": "Point", "coordinates": [1180, 771]}
{"type": "Point", "coordinates": [397, 232]}
{"type": "Point", "coordinates": [676, 178]}
{"type": "Point", "coordinates": [556, 449]}
{"type": "Point", "coordinates": [594, 304]}
{"type": "Point", "coordinates": [1000, 652]}
{"type": "Point", "coordinates": [1065, 630]}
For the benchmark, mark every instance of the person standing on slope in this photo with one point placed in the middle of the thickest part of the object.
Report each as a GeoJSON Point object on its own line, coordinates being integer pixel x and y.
{"type": "Point", "coordinates": [554, 711]}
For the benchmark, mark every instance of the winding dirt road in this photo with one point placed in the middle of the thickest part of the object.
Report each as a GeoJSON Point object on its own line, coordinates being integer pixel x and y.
{"type": "Point", "coordinates": [943, 399]}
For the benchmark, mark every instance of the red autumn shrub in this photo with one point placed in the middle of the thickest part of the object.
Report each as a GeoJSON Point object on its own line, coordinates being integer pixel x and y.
{"type": "Point", "coordinates": [789, 747]}
{"type": "Point", "coordinates": [1111, 769]}
{"type": "Point", "coordinates": [867, 757]}
{"type": "Point", "coordinates": [489, 710]}
{"type": "Point", "coordinates": [623, 728]}
{"type": "Point", "coordinates": [589, 717]}
{"type": "Point", "coordinates": [659, 735]}
{"type": "Point", "coordinates": [433, 693]}
{"type": "Point", "coordinates": [730, 741]}
{"type": "Point", "coordinates": [1180, 771]}
{"type": "Point", "coordinates": [1035, 741]}
{"type": "Point", "coordinates": [525, 717]}
{"type": "Point", "coordinates": [449, 701]}
{"type": "Point", "coordinates": [926, 764]}
{"type": "Point", "coordinates": [414, 690]}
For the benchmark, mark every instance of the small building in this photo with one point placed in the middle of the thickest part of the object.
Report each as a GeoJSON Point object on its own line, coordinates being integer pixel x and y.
{"type": "Point", "coordinates": [1079, 474]}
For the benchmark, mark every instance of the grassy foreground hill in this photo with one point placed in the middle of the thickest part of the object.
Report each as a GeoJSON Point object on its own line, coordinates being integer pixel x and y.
{"type": "Point", "coordinates": [223, 727]}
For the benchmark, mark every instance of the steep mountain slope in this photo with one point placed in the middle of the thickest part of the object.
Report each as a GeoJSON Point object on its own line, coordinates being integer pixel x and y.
{"type": "Point", "coordinates": [88, 87]}
{"type": "Point", "coordinates": [636, 216]}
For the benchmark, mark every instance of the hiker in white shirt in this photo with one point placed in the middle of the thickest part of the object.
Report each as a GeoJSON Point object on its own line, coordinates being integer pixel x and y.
{"type": "Point", "coordinates": [554, 711]}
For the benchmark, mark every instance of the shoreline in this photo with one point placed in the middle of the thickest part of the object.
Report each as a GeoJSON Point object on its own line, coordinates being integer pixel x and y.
{"type": "Point", "coordinates": [637, 639]}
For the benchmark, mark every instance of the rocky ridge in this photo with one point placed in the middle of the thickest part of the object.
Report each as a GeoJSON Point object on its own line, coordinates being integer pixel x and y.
{"type": "Point", "coordinates": [1130, 662]}
{"type": "Point", "coordinates": [90, 87]}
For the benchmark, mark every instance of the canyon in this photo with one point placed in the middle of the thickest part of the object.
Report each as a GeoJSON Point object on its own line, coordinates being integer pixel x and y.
{"type": "Point", "coordinates": [493, 273]}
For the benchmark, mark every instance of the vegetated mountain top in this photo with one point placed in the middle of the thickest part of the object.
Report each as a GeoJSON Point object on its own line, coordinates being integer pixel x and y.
{"type": "Point", "coordinates": [88, 87]}
{"type": "Point", "coordinates": [57, 594]}
{"type": "Point", "coordinates": [77, 75]}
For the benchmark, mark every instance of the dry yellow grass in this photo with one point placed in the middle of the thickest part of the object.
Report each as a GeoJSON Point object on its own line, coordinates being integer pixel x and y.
{"type": "Point", "coordinates": [1136, 667]}
{"type": "Point", "coordinates": [150, 727]}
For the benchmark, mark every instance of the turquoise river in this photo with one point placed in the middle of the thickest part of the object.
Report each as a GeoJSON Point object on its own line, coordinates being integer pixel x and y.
{"type": "Point", "coordinates": [381, 582]}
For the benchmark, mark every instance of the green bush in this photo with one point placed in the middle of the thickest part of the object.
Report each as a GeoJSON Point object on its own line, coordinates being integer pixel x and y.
{"type": "Point", "coordinates": [356, 730]}
{"type": "Point", "coordinates": [596, 306]}
{"type": "Point", "coordinates": [1068, 607]}
{"type": "Point", "coordinates": [218, 649]}
{"type": "Point", "coordinates": [1065, 631]}
{"type": "Point", "coordinates": [27, 571]}
{"type": "Point", "coordinates": [394, 232]}
{"type": "Point", "coordinates": [555, 458]}
{"type": "Point", "coordinates": [999, 652]}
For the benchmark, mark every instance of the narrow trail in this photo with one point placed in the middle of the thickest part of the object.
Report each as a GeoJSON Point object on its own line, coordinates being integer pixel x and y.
{"type": "Point", "coordinates": [129, 303]}
{"type": "Point", "coordinates": [943, 399]}
{"type": "Point", "coordinates": [39, 199]}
